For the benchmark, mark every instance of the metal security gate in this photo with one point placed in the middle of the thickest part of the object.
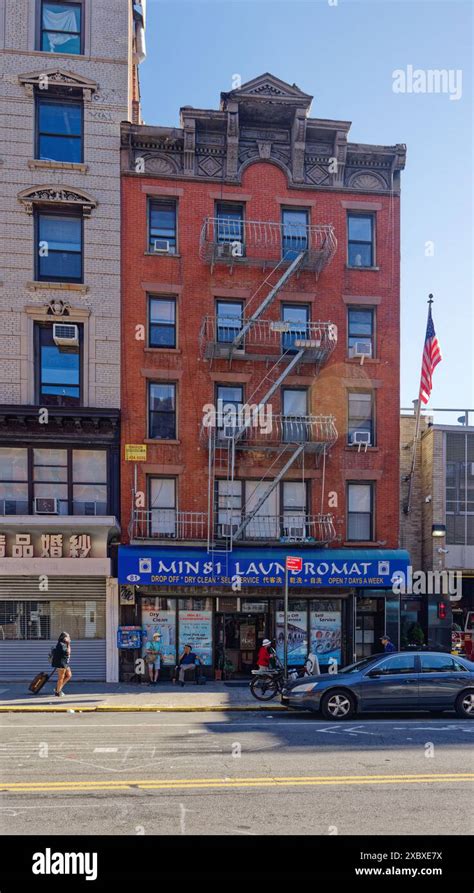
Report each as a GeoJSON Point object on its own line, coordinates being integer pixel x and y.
{"type": "Point", "coordinates": [20, 659]}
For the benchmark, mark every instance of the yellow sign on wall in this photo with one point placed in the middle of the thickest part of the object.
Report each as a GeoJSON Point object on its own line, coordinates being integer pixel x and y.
{"type": "Point", "coordinates": [135, 452]}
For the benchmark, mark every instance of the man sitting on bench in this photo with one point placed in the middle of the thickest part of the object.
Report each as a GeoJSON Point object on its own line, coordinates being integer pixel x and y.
{"type": "Point", "coordinates": [187, 662]}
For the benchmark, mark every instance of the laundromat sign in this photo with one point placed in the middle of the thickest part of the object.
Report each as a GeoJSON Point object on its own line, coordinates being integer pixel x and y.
{"type": "Point", "coordinates": [196, 567]}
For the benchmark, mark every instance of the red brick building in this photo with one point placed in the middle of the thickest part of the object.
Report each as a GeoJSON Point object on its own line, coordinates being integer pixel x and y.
{"type": "Point", "coordinates": [260, 264]}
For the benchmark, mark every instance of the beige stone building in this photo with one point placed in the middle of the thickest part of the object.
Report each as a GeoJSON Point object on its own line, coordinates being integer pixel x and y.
{"type": "Point", "coordinates": [441, 503]}
{"type": "Point", "coordinates": [69, 77]}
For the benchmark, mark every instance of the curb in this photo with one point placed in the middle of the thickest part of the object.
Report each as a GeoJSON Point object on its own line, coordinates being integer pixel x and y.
{"type": "Point", "coordinates": [77, 708]}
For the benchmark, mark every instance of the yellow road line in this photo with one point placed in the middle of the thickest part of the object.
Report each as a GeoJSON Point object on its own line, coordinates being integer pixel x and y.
{"type": "Point", "coordinates": [203, 783]}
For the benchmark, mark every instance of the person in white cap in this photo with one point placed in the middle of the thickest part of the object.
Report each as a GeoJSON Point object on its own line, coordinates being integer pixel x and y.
{"type": "Point", "coordinates": [264, 655]}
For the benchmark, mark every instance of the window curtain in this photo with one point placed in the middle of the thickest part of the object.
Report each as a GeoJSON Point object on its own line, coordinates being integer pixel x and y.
{"type": "Point", "coordinates": [60, 21]}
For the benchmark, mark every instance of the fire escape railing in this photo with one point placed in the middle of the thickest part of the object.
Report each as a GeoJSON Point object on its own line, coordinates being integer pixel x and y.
{"type": "Point", "coordinates": [317, 433]}
{"type": "Point", "coordinates": [268, 338]}
{"type": "Point", "coordinates": [233, 241]}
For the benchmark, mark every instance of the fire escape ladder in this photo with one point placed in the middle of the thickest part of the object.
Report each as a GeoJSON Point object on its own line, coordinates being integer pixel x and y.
{"type": "Point", "coordinates": [271, 486]}
{"type": "Point", "coordinates": [274, 289]}
{"type": "Point", "coordinates": [295, 359]}
{"type": "Point", "coordinates": [226, 453]}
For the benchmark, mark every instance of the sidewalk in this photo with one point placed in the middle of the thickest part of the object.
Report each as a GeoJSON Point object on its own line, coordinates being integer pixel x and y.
{"type": "Point", "coordinates": [109, 697]}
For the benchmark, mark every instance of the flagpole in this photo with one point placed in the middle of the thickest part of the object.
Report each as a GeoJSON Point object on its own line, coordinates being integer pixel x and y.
{"type": "Point", "coordinates": [416, 437]}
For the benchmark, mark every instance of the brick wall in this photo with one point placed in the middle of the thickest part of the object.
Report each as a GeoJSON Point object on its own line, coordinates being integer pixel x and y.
{"type": "Point", "coordinates": [195, 286]}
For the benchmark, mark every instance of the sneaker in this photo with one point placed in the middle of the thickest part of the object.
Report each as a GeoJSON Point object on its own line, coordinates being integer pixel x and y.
{"type": "Point", "coordinates": [59, 694]}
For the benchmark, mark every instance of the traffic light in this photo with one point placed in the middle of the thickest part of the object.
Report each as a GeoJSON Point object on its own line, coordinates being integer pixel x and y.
{"type": "Point", "coordinates": [442, 611]}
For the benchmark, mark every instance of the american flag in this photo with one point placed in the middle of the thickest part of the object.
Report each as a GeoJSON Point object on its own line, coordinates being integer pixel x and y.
{"type": "Point", "coordinates": [431, 358]}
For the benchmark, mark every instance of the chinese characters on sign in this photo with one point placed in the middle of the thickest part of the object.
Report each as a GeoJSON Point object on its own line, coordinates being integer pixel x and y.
{"type": "Point", "coordinates": [52, 545]}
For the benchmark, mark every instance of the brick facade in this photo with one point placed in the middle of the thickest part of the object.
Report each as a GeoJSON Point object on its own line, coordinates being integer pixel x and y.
{"type": "Point", "coordinates": [265, 187]}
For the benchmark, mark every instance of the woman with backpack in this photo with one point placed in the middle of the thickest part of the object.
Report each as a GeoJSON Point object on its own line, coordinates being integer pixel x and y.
{"type": "Point", "coordinates": [60, 660]}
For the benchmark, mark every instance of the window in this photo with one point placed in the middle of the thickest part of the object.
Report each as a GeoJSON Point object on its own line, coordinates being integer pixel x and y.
{"type": "Point", "coordinates": [58, 371]}
{"type": "Point", "coordinates": [50, 480]}
{"type": "Point", "coordinates": [360, 415]}
{"type": "Point", "coordinates": [89, 480]}
{"type": "Point", "coordinates": [294, 501]}
{"type": "Point", "coordinates": [13, 481]}
{"type": "Point", "coordinates": [294, 233]}
{"type": "Point", "coordinates": [229, 320]}
{"type": "Point", "coordinates": [360, 328]}
{"type": "Point", "coordinates": [162, 411]}
{"type": "Point", "coordinates": [295, 411]}
{"type": "Point", "coordinates": [230, 400]}
{"type": "Point", "coordinates": [61, 27]}
{"type": "Point", "coordinates": [229, 222]}
{"type": "Point", "coordinates": [162, 226]}
{"type": "Point", "coordinates": [265, 524]}
{"type": "Point", "coordinates": [77, 479]}
{"type": "Point", "coordinates": [58, 130]}
{"type": "Point", "coordinates": [402, 663]}
{"type": "Point", "coordinates": [360, 249]}
{"type": "Point", "coordinates": [58, 247]}
{"type": "Point", "coordinates": [229, 506]}
{"type": "Point", "coordinates": [459, 488]}
{"type": "Point", "coordinates": [360, 512]}
{"type": "Point", "coordinates": [438, 663]}
{"type": "Point", "coordinates": [162, 322]}
{"type": "Point", "coordinates": [297, 315]}
{"type": "Point", "coordinates": [162, 502]}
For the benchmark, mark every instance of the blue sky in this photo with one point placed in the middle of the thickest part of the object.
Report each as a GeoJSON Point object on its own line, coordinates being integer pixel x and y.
{"type": "Point", "coordinates": [344, 53]}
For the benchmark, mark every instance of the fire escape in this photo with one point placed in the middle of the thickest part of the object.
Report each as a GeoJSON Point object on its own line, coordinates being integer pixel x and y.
{"type": "Point", "coordinates": [286, 441]}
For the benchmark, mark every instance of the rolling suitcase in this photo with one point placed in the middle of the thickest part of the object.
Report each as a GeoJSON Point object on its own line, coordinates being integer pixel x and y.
{"type": "Point", "coordinates": [39, 681]}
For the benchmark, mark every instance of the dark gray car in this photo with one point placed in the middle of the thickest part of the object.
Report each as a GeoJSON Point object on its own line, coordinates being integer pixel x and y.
{"type": "Point", "coordinates": [401, 681]}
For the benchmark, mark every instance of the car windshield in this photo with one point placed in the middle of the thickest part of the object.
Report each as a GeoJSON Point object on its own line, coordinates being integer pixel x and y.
{"type": "Point", "coordinates": [360, 665]}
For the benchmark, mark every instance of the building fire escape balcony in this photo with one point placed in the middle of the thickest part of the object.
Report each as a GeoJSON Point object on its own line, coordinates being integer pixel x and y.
{"type": "Point", "coordinates": [266, 339]}
{"type": "Point", "coordinates": [262, 242]}
{"type": "Point", "coordinates": [315, 433]}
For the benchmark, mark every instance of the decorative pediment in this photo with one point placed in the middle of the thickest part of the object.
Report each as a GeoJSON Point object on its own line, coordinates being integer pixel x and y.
{"type": "Point", "coordinates": [56, 77]}
{"type": "Point", "coordinates": [56, 195]}
{"type": "Point", "coordinates": [267, 86]}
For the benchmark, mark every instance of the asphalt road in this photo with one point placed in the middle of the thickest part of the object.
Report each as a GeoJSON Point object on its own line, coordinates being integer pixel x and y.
{"type": "Point", "coordinates": [224, 773]}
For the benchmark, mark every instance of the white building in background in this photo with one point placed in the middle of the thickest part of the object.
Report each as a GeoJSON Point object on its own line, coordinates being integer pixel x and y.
{"type": "Point", "coordinates": [69, 76]}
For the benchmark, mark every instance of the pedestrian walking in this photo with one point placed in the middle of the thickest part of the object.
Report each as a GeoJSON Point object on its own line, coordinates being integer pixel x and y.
{"type": "Point", "coordinates": [60, 660]}
{"type": "Point", "coordinates": [153, 658]}
{"type": "Point", "coordinates": [388, 645]}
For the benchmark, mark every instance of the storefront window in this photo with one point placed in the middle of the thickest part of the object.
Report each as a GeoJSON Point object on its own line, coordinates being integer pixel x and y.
{"type": "Point", "coordinates": [297, 631]}
{"type": "Point", "coordinates": [325, 630]}
{"type": "Point", "coordinates": [82, 619]}
{"type": "Point", "coordinates": [411, 623]}
{"type": "Point", "coordinates": [195, 627]}
{"type": "Point", "coordinates": [159, 615]}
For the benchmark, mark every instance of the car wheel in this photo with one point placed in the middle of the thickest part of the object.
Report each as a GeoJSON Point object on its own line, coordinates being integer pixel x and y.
{"type": "Point", "coordinates": [465, 704]}
{"type": "Point", "coordinates": [337, 704]}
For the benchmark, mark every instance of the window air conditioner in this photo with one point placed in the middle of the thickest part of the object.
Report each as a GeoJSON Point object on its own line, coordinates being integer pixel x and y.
{"type": "Point", "coordinates": [65, 334]}
{"type": "Point", "coordinates": [226, 249]}
{"type": "Point", "coordinates": [360, 438]}
{"type": "Point", "coordinates": [295, 531]}
{"type": "Point", "coordinates": [161, 246]}
{"type": "Point", "coordinates": [361, 349]}
{"type": "Point", "coordinates": [47, 506]}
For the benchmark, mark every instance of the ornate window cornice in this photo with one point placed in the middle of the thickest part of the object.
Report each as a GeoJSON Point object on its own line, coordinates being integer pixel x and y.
{"type": "Point", "coordinates": [56, 195]}
{"type": "Point", "coordinates": [67, 80]}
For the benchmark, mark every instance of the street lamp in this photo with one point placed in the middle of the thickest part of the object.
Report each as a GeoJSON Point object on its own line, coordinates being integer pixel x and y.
{"type": "Point", "coordinates": [438, 530]}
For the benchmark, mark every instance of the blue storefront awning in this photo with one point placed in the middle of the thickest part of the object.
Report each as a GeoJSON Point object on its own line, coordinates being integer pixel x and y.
{"type": "Point", "coordinates": [179, 566]}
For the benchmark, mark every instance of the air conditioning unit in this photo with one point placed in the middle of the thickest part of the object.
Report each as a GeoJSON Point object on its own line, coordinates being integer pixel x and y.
{"type": "Point", "coordinates": [295, 531]}
{"type": "Point", "coordinates": [279, 326]}
{"type": "Point", "coordinates": [65, 335]}
{"type": "Point", "coordinates": [361, 349]}
{"type": "Point", "coordinates": [47, 506]}
{"type": "Point", "coordinates": [225, 249]}
{"type": "Point", "coordinates": [360, 438]}
{"type": "Point", "coordinates": [161, 246]}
